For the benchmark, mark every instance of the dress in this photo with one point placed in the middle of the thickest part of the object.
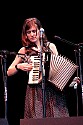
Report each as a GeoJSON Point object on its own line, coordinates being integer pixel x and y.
{"type": "Point", "coordinates": [55, 101]}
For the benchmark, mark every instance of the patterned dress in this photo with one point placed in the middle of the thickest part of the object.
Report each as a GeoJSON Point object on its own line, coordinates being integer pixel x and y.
{"type": "Point", "coordinates": [50, 104]}
{"type": "Point", "coordinates": [55, 102]}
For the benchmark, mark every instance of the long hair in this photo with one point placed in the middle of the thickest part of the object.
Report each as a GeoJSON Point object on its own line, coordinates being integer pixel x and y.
{"type": "Point", "coordinates": [28, 23]}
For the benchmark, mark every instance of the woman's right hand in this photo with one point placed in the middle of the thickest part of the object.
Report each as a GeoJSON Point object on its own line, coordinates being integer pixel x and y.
{"type": "Point", "coordinates": [25, 66]}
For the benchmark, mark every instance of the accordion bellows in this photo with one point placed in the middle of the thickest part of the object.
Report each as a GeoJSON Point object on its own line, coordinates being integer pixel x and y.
{"type": "Point", "coordinates": [61, 70]}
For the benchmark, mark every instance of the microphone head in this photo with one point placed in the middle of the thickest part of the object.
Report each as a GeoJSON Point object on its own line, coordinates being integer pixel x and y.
{"type": "Point", "coordinates": [57, 37]}
{"type": "Point", "coordinates": [41, 30]}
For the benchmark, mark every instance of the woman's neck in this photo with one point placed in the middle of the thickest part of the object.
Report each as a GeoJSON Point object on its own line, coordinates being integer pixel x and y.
{"type": "Point", "coordinates": [38, 44]}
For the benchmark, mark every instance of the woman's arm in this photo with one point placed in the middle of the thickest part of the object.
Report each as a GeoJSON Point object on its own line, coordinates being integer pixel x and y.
{"type": "Point", "coordinates": [53, 48]}
{"type": "Point", "coordinates": [12, 68]}
{"type": "Point", "coordinates": [18, 64]}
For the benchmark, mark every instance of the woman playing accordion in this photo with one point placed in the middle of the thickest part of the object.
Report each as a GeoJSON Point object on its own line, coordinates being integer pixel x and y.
{"type": "Point", "coordinates": [29, 61]}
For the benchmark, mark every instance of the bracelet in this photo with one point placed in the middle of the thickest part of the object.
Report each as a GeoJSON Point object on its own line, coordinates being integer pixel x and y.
{"type": "Point", "coordinates": [16, 67]}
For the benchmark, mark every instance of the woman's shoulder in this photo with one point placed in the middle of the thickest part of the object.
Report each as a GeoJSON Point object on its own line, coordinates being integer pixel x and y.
{"type": "Point", "coordinates": [53, 48]}
{"type": "Point", "coordinates": [22, 50]}
{"type": "Point", "coordinates": [52, 44]}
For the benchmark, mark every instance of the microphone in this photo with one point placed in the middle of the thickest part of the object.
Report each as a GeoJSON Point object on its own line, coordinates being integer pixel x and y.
{"type": "Point", "coordinates": [41, 32]}
{"type": "Point", "coordinates": [57, 37]}
{"type": "Point", "coordinates": [13, 53]}
{"type": "Point", "coordinates": [80, 45]}
{"type": "Point", "coordinates": [6, 52]}
{"type": "Point", "coordinates": [64, 40]}
{"type": "Point", "coordinates": [75, 82]}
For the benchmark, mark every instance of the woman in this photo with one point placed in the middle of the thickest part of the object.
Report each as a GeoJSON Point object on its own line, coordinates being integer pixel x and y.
{"type": "Point", "coordinates": [55, 105]}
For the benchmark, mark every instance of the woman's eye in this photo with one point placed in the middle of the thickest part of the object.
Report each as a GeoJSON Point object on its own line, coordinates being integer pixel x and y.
{"type": "Point", "coordinates": [33, 31]}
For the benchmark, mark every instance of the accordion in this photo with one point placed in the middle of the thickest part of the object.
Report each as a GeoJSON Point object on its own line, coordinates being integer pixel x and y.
{"type": "Point", "coordinates": [60, 71]}
{"type": "Point", "coordinates": [34, 73]}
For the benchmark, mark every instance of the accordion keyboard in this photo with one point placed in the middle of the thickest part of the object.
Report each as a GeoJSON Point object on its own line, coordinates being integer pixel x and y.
{"type": "Point", "coordinates": [34, 73]}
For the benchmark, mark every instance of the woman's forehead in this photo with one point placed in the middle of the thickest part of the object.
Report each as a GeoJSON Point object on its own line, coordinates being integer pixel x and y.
{"type": "Point", "coordinates": [33, 28]}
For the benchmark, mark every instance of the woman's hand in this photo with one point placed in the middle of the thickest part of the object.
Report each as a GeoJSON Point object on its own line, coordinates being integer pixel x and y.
{"type": "Point", "coordinates": [25, 66]}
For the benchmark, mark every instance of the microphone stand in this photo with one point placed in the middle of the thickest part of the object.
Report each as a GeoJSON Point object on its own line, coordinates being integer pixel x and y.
{"type": "Point", "coordinates": [43, 75]}
{"type": "Point", "coordinates": [78, 61]}
{"type": "Point", "coordinates": [78, 46]}
{"type": "Point", "coordinates": [3, 55]}
{"type": "Point", "coordinates": [75, 86]}
{"type": "Point", "coordinates": [80, 71]}
{"type": "Point", "coordinates": [4, 71]}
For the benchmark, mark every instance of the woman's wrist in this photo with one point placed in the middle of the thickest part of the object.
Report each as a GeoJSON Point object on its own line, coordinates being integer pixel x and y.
{"type": "Point", "coordinates": [16, 66]}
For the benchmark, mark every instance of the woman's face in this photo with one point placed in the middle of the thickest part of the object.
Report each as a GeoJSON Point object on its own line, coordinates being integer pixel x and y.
{"type": "Point", "coordinates": [33, 34]}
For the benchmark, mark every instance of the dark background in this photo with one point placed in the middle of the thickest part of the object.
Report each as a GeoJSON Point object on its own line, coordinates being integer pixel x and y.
{"type": "Point", "coordinates": [59, 18]}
